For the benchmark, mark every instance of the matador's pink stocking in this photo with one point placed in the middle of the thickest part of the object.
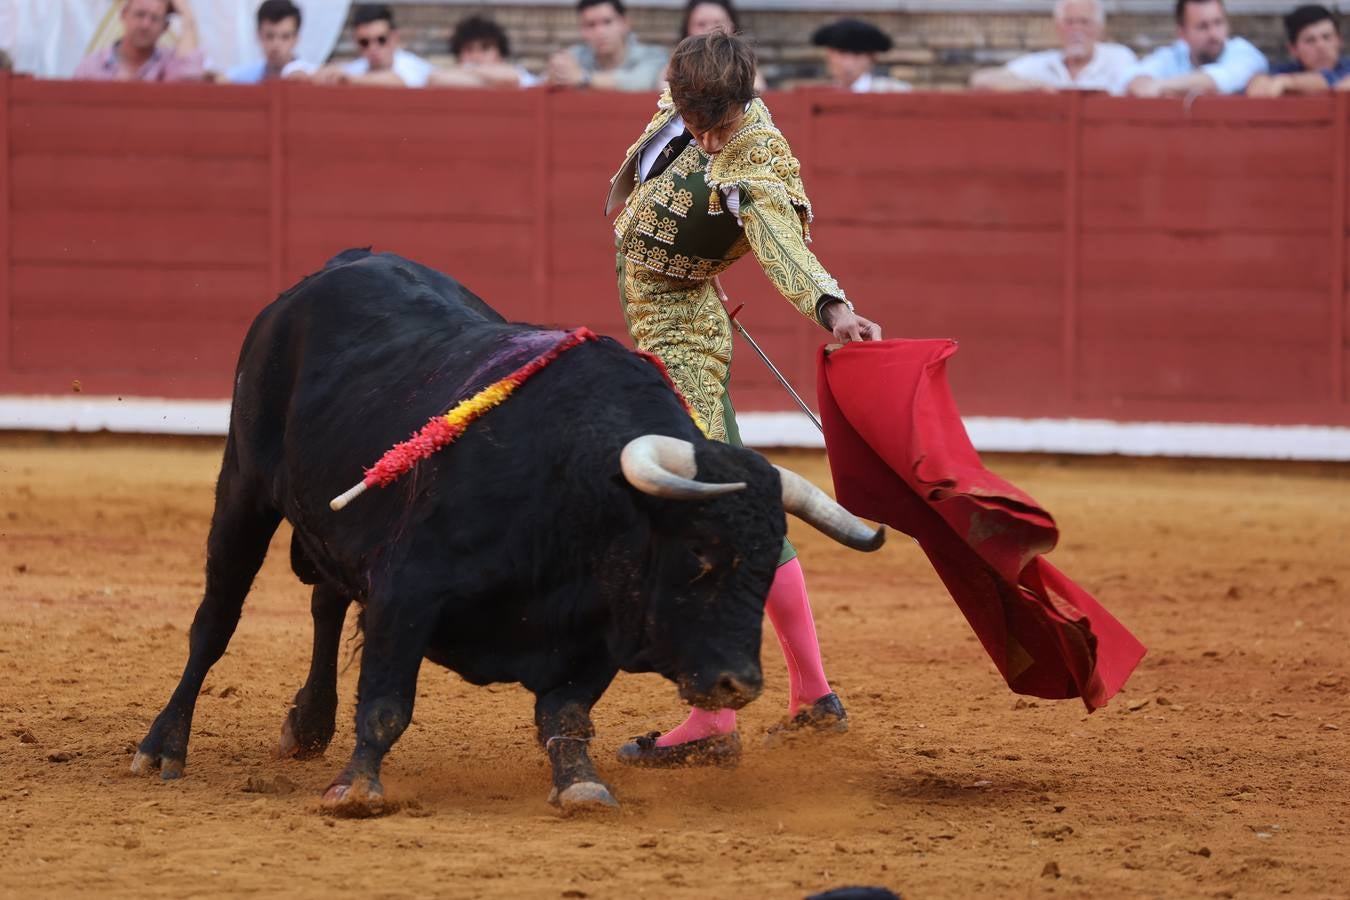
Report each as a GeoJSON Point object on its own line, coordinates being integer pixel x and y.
{"type": "Point", "coordinates": [789, 610]}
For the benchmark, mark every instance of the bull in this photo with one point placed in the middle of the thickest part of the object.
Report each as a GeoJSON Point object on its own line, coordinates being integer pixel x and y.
{"type": "Point", "coordinates": [582, 527]}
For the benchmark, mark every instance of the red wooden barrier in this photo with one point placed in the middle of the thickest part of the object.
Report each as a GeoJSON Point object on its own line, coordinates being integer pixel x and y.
{"type": "Point", "coordinates": [1096, 257]}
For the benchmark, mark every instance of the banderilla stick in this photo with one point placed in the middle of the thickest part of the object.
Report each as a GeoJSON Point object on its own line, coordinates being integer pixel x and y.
{"type": "Point", "coordinates": [764, 356]}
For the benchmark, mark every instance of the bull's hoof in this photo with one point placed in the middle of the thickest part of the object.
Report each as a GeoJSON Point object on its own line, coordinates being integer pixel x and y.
{"type": "Point", "coordinates": [717, 750]}
{"type": "Point", "coordinates": [363, 799]}
{"type": "Point", "coordinates": [148, 764]}
{"type": "Point", "coordinates": [584, 796]}
{"type": "Point", "coordinates": [296, 743]}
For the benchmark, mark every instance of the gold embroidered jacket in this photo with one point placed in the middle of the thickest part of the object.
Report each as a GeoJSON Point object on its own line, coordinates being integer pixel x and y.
{"type": "Point", "coordinates": [669, 224]}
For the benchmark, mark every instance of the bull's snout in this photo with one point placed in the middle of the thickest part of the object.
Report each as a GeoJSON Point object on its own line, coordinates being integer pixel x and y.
{"type": "Point", "coordinates": [726, 689]}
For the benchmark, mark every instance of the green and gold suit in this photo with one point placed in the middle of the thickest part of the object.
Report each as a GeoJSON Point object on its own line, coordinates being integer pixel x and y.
{"type": "Point", "coordinates": [675, 234]}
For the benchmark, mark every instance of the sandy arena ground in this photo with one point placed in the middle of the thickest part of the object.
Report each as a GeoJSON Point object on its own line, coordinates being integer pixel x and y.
{"type": "Point", "coordinates": [1223, 771]}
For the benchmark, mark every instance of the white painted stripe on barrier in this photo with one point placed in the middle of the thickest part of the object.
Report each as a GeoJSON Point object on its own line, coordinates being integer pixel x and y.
{"type": "Point", "coordinates": [1096, 436]}
{"type": "Point", "coordinates": [137, 415]}
{"type": "Point", "coordinates": [144, 415]}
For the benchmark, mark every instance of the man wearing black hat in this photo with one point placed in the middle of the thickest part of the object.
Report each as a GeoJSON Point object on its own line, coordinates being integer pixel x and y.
{"type": "Point", "coordinates": [851, 50]}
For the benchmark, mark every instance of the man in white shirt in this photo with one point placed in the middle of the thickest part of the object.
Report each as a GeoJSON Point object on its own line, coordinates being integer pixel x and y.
{"type": "Point", "coordinates": [383, 61]}
{"type": "Point", "coordinates": [1204, 59]}
{"type": "Point", "coordinates": [278, 33]}
{"type": "Point", "coordinates": [1082, 63]}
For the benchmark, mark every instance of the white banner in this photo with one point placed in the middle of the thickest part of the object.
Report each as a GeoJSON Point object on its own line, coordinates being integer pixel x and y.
{"type": "Point", "coordinates": [48, 38]}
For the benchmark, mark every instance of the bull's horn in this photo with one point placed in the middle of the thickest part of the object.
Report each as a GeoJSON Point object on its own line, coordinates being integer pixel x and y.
{"type": "Point", "coordinates": [665, 467]}
{"type": "Point", "coordinates": [814, 507]}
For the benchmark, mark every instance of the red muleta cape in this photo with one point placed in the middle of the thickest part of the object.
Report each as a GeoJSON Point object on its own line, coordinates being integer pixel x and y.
{"type": "Point", "coordinates": [900, 455]}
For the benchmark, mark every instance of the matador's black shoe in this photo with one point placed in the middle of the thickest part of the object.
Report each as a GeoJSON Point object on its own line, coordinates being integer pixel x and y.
{"type": "Point", "coordinates": [717, 750]}
{"type": "Point", "coordinates": [825, 716]}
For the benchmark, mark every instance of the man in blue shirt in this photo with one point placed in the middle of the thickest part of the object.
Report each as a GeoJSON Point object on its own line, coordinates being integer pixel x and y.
{"type": "Point", "coordinates": [1203, 60]}
{"type": "Point", "coordinates": [1317, 65]}
{"type": "Point", "coordinates": [278, 33]}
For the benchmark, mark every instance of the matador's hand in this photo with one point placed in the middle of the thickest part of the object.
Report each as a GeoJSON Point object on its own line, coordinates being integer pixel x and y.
{"type": "Point", "coordinates": [847, 325]}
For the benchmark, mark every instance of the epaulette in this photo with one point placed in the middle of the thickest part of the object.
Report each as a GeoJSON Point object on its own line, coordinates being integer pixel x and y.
{"type": "Point", "coordinates": [758, 155]}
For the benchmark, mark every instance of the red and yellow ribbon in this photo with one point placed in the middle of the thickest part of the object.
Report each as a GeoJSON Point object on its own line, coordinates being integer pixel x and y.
{"type": "Point", "coordinates": [444, 429]}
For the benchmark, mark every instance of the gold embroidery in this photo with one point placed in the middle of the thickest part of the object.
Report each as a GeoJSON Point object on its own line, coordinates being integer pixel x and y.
{"type": "Point", "coordinates": [759, 154]}
{"type": "Point", "coordinates": [667, 231]}
{"type": "Point", "coordinates": [670, 305]}
{"type": "Point", "coordinates": [681, 202]}
{"type": "Point", "coordinates": [646, 220]}
{"type": "Point", "coordinates": [774, 230]}
{"type": "Point", "coordinates": [663, 191]}
{"type": "Point", "coordinates": [704, 268]}
{"type": "Point", "coordinates": [683, 323]}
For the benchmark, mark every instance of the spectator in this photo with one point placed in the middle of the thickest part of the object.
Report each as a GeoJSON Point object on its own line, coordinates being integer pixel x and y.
{"type": "Point", "coordinates": [278, 33]}
{"type": "Point", "coordinates": [1204, 59]}
{"type": "Point", "coordinates": [707, 16]}
{"type": "Point", "coordinates": [137, 56]}
{"type": "Point", "coordinates": [851, 50]}
{"type": "Point", "coordinates": [6, 64]}
{"type": "Point", "coordinates": [383, 61]}
{"type": "Point", "coordinates": [481, 50]}
{"type": "Point", "coordinates": [610, 56]}
{"type": "Point", "coordinates": [1082, 61]}
{"type": "Point", "coordinates": [1317, 65]}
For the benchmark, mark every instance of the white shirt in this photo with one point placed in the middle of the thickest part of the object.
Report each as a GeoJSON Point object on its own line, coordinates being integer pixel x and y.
{"type": "Point", "coordinates": [868, 83]}
{"type": "Point", "coordinates": [410, 68]}
{"type": "Point", "coordinates": [652, 149]}
{"type": "Point", "coordinates": [252, 73]}
{"type": "Point", "coordinates": [1239, 63]}
{"type": "Point", "coordinates": [1108, 65]}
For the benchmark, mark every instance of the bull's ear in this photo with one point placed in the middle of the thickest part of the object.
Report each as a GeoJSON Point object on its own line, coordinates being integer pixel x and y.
{"type": "Point", "coordinates": [665, 467]}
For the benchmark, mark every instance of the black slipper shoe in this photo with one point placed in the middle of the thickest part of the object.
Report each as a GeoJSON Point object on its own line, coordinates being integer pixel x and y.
{"type": "Point", "coordinates": [825, 716]}
{"type": "Point", "coordinates": [717, 750]}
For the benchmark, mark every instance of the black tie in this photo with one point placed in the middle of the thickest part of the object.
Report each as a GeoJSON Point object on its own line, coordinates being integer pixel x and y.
{"type": "Point", "coordinates": [672, 150]}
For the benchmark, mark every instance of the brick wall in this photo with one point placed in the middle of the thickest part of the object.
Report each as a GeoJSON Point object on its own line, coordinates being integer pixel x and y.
{"type": "Point", "coordinates": [935, 50]}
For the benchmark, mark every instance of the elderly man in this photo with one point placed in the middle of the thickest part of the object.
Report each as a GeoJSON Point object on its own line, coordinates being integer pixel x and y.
{"type": "Point", "coordinates": [1082, 62]}
{"type": "Point", "coordinates": [851, 50]}
{"type": "Point", "coordinates": [383, 61]}
{"type": "Point", "coordinates": [278, 33]}
{"type": "Point", "coordinates": [610, 57]}
{"type": "Point", "coordinates": [1317, 65]}
{"type": "Point", "coordinates": [1204, 59]}
{"type": "Point", "coordinates": [137, 56]}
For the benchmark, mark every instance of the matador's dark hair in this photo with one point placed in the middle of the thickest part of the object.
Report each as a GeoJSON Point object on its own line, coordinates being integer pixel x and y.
{"type": "Point", "coordinates": [710, 75]}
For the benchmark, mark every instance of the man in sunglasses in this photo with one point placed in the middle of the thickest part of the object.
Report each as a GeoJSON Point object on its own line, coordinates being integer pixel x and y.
{"type": "Point", "coordinates": [383, 61]}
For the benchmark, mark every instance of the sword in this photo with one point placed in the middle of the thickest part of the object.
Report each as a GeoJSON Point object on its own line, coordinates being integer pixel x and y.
{"type": "Point", "coordinates": [763, 356]}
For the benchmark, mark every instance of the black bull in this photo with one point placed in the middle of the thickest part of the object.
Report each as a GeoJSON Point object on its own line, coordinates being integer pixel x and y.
{"type": "Point", "coordinates": [582, 527]}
